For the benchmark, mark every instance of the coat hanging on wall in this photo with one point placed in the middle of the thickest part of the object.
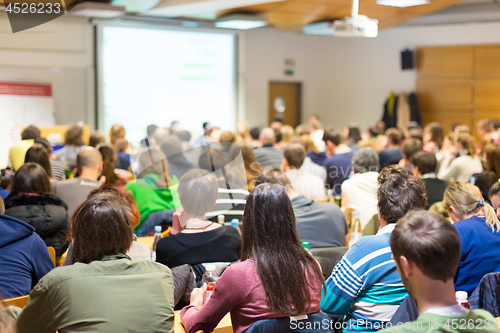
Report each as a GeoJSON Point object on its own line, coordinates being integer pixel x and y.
{"type": "Point", "coordinates": [400, 109]}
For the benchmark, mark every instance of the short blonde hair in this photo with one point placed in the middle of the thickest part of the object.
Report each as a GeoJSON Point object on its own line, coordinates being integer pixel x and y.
{"type": "Point", "coordinates": [287, 133]}
{"type": "Point", "coordinates": [466, 199]}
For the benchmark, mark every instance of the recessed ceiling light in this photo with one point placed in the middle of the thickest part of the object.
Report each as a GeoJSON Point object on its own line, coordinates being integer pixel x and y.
{"type": "Point", "coordinates": [241, 21]}
{"type": "Point", "coordinates": [403, 3]}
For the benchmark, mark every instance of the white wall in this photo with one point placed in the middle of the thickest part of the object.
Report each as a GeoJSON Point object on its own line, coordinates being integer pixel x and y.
{"type": "Point", "coordinates": [59, 52]}
{"type": "Point", "coordinates": [345, 80]}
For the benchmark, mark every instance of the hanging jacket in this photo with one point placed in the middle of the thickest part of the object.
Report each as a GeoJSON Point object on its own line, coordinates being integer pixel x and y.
{"type": "Point", "coordinates": [47, 213]}
{"type": "Point", "coordinates": [414, 110]}
{"type": "Point", "coordinates": [403, 111]}
{"type": "Point", "coordinates": [390, 116]}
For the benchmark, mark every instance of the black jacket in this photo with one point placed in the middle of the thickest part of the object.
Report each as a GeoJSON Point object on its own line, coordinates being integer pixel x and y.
{"type": "Point", "coordinates": [45, 212]}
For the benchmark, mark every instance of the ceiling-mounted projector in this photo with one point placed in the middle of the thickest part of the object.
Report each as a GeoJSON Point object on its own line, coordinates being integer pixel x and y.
{"type": "Point", "coordinates": [355, 26]}
{"type": "Point", "coordinates": [351, 26]}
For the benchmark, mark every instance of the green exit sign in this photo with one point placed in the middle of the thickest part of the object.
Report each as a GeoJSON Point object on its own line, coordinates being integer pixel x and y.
{"type": "Point", "coordinates": [289, 72]}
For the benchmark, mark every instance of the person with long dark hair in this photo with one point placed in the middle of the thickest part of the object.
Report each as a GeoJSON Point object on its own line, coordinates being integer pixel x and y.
{"type": "Point", "coordinates": [31, 200]}
{"type": "Point", "coordinates": [104, 291]}
{"type": "Point", "coordinates": [38, 154]}
{"type": "Point", "coordinates": [276, 277]}
{"type": "Point", "coordinates": [108, 168]}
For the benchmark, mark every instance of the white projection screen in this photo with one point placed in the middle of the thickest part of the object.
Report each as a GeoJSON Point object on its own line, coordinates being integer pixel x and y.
{"type": "Point", "coordinates": [152, 75]}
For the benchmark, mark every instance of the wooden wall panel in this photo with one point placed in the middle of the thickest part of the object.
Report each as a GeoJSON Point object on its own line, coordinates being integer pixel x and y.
{"type": "Point", "coordinates": [453, 61]}
{"type": "Point", "coordinates": [442, 94]}
{"type": "Point", "coordinates": [487, 94]}
{"type": "Point", "coordinates": [487, 61]}
{"type": "Point", "coordinates": [446, 119]}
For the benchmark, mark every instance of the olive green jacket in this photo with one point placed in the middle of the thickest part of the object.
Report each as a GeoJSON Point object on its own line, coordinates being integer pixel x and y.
{"type": "Point", "coordinates": [114, 294]}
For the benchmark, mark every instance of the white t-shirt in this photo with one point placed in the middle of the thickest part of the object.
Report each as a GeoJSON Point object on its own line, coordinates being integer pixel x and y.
{"type": "Point", "coordinates": [306, 184]}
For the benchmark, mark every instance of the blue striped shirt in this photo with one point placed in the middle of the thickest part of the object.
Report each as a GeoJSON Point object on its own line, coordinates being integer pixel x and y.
{"type": "Point", "coordinates": [365, 285]}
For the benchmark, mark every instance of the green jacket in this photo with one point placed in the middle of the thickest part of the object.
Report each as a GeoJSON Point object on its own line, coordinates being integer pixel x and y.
{"type": "Point", "coordinates": [114, 294]}
{"type": "Point", "coordinates": [151, 199]}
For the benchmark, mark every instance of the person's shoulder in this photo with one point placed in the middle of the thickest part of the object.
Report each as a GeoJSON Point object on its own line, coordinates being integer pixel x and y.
{"type": "Point", "coordinates": [230, 231]}
{"type": "Point", "coordinates": [242, 268]}
{"type": "Point", "coordinates": [369, 245]}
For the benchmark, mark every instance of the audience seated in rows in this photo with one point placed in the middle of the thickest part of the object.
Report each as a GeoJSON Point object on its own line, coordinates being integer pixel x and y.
{"type": "Point", "coordinates": [276, 278]}
{"type": "Point", "coordinates": [425, 166]}
{"type": "Point", "coordinates": [96, 138]}
{"type": "Point", "coordinates": [193, 239]}
{"type": "Point", "coordinates": [86, 295]}
{"type": "Point", "coordinates": [426, 249]}
{"type": "Point", "coordinates": [232, 198]}
{"type": "Point", "coordinates": [467, 163]}
{"type": "Point", "coordinates": [308, 165]}
{"type": "Point", "coordinates": [17, 151]}
{"type": "Point", "coordinates": [359, 192]}
{"type": "Point", "coordinates": [478, 228]}
{"type": "Point", "coordinates": [304, 183]}
{"type": "Point", "coordinates": [321, 224]}
{"type": "Point", "coordinates": [267, 155]}
{"type": "Point", "coordinates": [365, 285]}
{"type": "Point", "coordinates": [31, 200]}
{"type": "Point", "coordinates": [24, 257]}
{"type": "Point", "coordinates": [75, 191]}
{"type": "Point", "coordinates": [73, 143]}
{"type": "Point", "coordinates": [154, 191]}
{"type": "Point", "coordinates": [391, 154]}
{"type": "Point", "coordinates": [338, 163]}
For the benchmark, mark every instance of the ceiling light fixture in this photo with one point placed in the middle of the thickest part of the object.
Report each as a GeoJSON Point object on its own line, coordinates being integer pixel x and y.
{"type": "Point", "coordinates": [403, 3]}
{"type": "Point", "coordinates": [241, 21]}
{"type": "Point", "coordinates": [97, 9]}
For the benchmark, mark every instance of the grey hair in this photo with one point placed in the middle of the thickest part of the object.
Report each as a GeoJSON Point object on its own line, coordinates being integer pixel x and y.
{"type": "Point", "coordinates": [365, 160]}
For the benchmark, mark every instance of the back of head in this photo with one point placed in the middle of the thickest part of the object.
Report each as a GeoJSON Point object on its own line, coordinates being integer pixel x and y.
{"type": "Point", "coordinates": [425, 161]}
{"type": "Point", "coordinates": [485, 125]}
{"type": "Point", "coordinates": [277, 135]}
{"type": "Point", "coordinates": [96, 139]}
{"type": "Point", "coordinates": [430, 241]}
{"type": "Point", "coordinates": [354, 134]}
{"type": "Point", "coordinates": [213, 160]}
{"type": "Point", "coordinates": [273, 176]}
{"type": "Point", "coordinates": [151, 129]}
{"type": "Point", "coordinates": [399, 192]}
{"type": "Point", "coordinates": [333, 135]}
{"type": "Point", "coordinates": [270, 238]}
{"type": "Point", "coordinates": [198, 191]}
{"type": "Point", "coordinates": [45, 143]}
{"type": "Point", "coordinates": [416, 133]}
{"type": "Point", "coordinates": [30, 133]}
{"type": "Point", "coordinates": [495, 123]}
{"type": "Point", "coordinates": [31, 177]}
{"type": "Point", "coordinates": [411, 146]}
{"type": "Point", "coordinates": [394, 136]}
{"type": "Point", "coordinates": [116, 132]}
{"type": "Point", "coordinates": [38, 154]}
{"type": "Point", "coordinates": [153, 161]}
{"type": "Point", "coordinates": [121, 145]}
{"type": "Point", "coordinates": [74, 136]}
{"type": "Point", "coordinates": [462, 129]}
{"type": "Point", "coordinates": [315, 124]}
{"type": "Point", "coordinates": [160, 135]}
{"type": "Point", "coordinates": [267, 136]}
{"type": "Point", "coordinates": [101, 226]}
{"type": "Point", "coordinates": [255, 133]}
{"type": "Point", "coordinates": [493, 161]}
{"type": "Point", "coordinates": [466, 199]}
{"type": "Point", "coordinates": [295, 154]}
{"type": "Point", "coordinates": [227, 136]}
{"type": "Point", "coordinates": [108, 169]}
{"type": "Point", "coordinates": [467, 142]}
{"type": "Point", "coordinates": [287, 133]}
{"type": "Point", "coordinates": [184, 136]}
{"type": "Point", "coordinates": [436, 131]}
{"type": "Point", "coordinates": [89, 158]}
{"type": "Point", "coordinates": [365, 160]}
{"type": "Point", "coordinates": [494, 190]}
{"type": "Point", "coordinates": [309, 144]}
{"type": "Point", "coordinates": [171, 145]}
{"type": "Point", "coordinates": [303, 129]}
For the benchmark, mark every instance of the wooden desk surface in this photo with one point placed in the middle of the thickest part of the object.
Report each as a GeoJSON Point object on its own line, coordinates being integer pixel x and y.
{"type": "Point", "coordinates": [223, 327]}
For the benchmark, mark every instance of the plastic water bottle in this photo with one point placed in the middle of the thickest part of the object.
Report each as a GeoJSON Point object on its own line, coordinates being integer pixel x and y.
{"type": "Point", "coordinates": [235, 223]}
{"type": "Point", "coordinates": [305, 245]}
{"type": "Point", "coordinates": [157, 236]}
{"type": "Point", "coordinates": [329, 194]}
{"type": "Point", "coordinates": [356, 231]}
{"type": "Point", "coordinates": [210, 278]}
{"type": "Point", "coordinates": [462, 299]}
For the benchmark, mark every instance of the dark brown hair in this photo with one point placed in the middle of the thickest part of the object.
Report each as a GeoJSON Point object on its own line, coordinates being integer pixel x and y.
{"type": "Point", "coordinates": [411, 146]}
{"type": "Point", "coordinates": [198, 191]}
{"type": "Point", "coordinates": [38, 154]}
{"type": "Point", "coordinates": [273, 176]}
{"type": "Point", "coordinates": [333, 135]}
{"type": "Point", "coordinates": [425, 161]}
{"type": "Point", "coordinates": [394, 135]}
{"type": "Point", "coordinates": [437, 134]}
{"type": "Point", "coordinates": [74, 136]}
{"type": "Point", "coordinates": [399, 192]}
{"type": "Point", "coordinates": [108, 168]}
{"type": "Point", "coordinates": [30, 133]}
{"type": "Point", "coordinates": [430, 241]}
{"type": "Point", "coordinates": [101, 227]}
{"type": "Point", "coordinates": [270, 238]}
{"type": "Point", "coordinates": [96, 139]}
{"type": "Point", "coordinates": [295, 154]}
{"type": "Point", "coordinates": [31, 177]}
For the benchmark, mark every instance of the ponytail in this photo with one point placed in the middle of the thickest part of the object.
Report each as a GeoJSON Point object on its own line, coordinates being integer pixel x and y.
{"type": "Point", "coordinates": [468, 143]}
{"type": "Point", "coordinates": [108, 168]}
{"type": "Point", "coordinates": [466, 199]}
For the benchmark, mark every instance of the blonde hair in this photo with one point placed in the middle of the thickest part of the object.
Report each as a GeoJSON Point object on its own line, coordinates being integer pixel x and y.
{"type": "Point", "coordinates": [310, 146]}
{"type": "Point", "coordinates": [468, 143]}
{"type": "Point", "coordinates": [466, 199]}
{"type": "Point", "coordinates": [287, 133]}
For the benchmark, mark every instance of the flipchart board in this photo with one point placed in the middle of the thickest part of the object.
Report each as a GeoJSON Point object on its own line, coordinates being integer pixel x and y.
{"type": "Point", "coordinates": [22, 104]}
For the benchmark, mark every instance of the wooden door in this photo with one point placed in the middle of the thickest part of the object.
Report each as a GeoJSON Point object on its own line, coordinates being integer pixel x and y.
{"type": "Point", "coordinates": [284, 102]}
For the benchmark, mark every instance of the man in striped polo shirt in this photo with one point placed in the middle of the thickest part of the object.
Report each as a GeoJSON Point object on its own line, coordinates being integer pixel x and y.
{"type": "Point", "coordinates": [365, 286]}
